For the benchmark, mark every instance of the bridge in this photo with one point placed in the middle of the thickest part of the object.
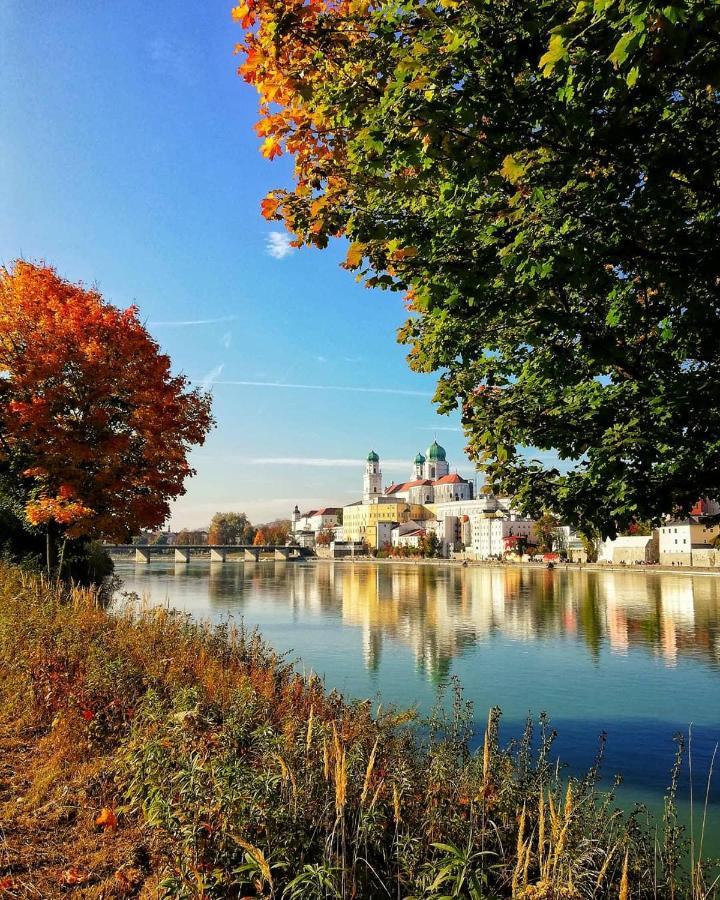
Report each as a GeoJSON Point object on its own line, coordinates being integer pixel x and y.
{"type": "Point", "coordinates": [217, 552]}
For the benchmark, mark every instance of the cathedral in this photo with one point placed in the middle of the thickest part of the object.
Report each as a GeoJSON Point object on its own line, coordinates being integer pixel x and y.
{"type": "Point", "coordinates": [431, 480]}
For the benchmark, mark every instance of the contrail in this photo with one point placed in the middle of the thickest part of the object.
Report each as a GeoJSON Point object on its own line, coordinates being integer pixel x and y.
{"type": "Point", "coordinates": [326, 387]}
{"type": "Point", "coordinates": [186, 322]}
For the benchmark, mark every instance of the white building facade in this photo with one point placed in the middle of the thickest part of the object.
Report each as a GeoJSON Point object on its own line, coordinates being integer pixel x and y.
{"type": "Point", "coordinates": [489, 534]}
{"type": "Point", "coordinates": [305, 526]}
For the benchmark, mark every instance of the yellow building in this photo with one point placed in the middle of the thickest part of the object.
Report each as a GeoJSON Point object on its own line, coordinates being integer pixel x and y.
{"type": "Point", "coordinates": [371, 522]}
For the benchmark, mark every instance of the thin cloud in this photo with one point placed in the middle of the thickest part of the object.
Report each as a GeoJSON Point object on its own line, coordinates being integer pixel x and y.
{"type": "Point", "coordinates": [277, 245]}
{"type": "Point", "coordinates": [185, 323]}
{"type": "Point", "coordinates": [326, 387]}
{"type": "Point", "coordinates": [210, 378]}
{"type": "Point", "coordinates": [325, 462]}
{"type": "Point", "coordinates": [226, 340]}
{"type": "Point", "coordinates": [438, 428]}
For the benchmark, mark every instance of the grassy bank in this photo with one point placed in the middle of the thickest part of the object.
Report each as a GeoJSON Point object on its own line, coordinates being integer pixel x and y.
{"type": "Point", "coordinates": [145, 755]}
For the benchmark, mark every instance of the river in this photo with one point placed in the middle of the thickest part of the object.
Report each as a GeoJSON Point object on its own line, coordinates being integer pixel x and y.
{"type": "Point", "coordinates": [633, 654]}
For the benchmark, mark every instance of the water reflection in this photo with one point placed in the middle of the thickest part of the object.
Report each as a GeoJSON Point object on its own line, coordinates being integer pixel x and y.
{"type": "Point", "coordinates": [439, 612]}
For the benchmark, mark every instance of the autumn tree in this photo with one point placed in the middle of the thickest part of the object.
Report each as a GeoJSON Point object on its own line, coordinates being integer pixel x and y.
{"type": "Point", "coordinates": [325, 537]}
{"type": "Point", "coordinates": [259, 540]}
{"type": "Point", "coordinates": [542, 180]}
{"type": "Point", "coordinates": [545, 529]}
{"type": "Point", "coordinates": [95, 430]}
{"type": "Point", "coordinates": [277, 532]}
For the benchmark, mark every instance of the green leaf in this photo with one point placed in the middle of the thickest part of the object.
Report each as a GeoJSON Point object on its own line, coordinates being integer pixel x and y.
{"type": "Point", "coordinates": [623, 47]}
{"type": "Point", "coordinates": [556, 52]}
{"type": "Point", "coordinates": [511, 169]}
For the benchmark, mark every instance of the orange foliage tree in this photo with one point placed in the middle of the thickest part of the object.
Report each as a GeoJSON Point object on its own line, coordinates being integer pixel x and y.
{"type": "Point", "coordinates": [290, 49]}
{"type": "Point", "coordinates": [259, 538]}
{"type": "Point", "coordinates": [95, 430]}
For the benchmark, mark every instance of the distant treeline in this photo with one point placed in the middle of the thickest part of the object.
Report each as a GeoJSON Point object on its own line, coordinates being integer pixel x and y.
{"type": "Point", "coordinates": [224, 528]}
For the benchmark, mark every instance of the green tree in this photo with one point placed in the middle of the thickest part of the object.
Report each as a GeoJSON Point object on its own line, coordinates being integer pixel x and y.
{"type": "Point", "coordinates": [230, 528]}
{"type": "Point", "coordinates": [430, 545]}
{"type": "Point", "coordinates": [542, 179]}
{"type": "Point", "coordinates": [590, 539]}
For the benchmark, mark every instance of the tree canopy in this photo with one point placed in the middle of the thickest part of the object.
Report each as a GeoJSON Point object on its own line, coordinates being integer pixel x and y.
{"type": "Point", "coordinates": [540, 179]}
{"type": "Point", "coordinates": [95, 430]}
{"type": "Point", "coordinates": [230, 528]}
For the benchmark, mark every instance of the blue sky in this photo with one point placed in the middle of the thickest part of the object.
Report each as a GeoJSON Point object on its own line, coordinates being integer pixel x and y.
{"type": "Point", "coordinates": [128, 159]}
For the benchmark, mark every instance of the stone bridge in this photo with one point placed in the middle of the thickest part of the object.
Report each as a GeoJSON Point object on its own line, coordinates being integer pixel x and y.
{"type": "Point", "coordinates": [217, 552]}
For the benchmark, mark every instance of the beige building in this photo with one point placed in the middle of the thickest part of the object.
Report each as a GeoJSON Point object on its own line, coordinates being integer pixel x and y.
{"type": "Point", "coordinates": [431, 480]}
{"type": "Point", "coordinates": [689, 542]}
{"type": "Point", "coordinates": [408, 534]}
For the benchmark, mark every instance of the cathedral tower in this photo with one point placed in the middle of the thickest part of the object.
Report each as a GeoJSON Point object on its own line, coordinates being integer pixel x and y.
{"type": "Point", "coordinates": [372, 480]}
{"type": "Point", "coordinates": [436, 465]}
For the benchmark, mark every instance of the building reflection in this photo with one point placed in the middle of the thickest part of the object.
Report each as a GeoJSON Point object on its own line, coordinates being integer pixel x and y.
{"type": "Point", "coordinates": [438, 612]}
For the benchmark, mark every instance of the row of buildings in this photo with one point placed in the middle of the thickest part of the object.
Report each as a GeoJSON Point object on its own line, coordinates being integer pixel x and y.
{"type": "Point", "coordinates": [436, 501]}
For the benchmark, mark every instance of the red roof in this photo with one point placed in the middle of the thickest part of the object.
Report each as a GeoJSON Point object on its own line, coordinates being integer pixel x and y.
{"type": "Point", "coordinates": [450, 479]}
{"type": "Point", "coordinates": [394, 488]}
{"type": "Point", "coordinates": [454, 478]}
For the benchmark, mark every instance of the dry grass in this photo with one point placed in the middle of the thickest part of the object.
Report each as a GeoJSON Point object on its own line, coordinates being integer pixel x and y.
{"type": "Point", "coordinates": [217, 771]}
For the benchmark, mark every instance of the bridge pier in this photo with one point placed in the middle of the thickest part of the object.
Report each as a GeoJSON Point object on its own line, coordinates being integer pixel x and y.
{"type": "Point", "coordinates": [218, 555]}
{"type": "Point", "coordinates": [142, 555]}
{"type": "Point", "coordinates": [182, 556]}
{"type": "Point", "coordinates": [251, 555]}
{"type": "Point", "coordinates": [282, 553]}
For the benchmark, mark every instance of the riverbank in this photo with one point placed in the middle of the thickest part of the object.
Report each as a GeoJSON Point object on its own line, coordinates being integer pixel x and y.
{"type": "Point", "coordinates": [516, 564]}
{"type": "Point", "coordinates": [142, 753]}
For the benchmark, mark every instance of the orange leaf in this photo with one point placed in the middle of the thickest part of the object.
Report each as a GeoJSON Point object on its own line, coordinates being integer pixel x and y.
{"type": "Point", "coordinates": [271, 148]}
{"type": "Point", "coordinates": [269, 207]}
{"type": "Point", "coordinates": [73, 875]}
{"type": "Point", "coordinates": [354, 255]}
{"type": "Point", "coordinates": [107, 818]}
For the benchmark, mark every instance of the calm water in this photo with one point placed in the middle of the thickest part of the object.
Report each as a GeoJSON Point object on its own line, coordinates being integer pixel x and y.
{"type": "Point", "coordinates": [631, 654]}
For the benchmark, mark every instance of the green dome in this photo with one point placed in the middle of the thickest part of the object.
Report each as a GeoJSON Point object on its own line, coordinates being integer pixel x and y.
{"type": "Point", "coordinates": [435, 452]}
{"type": "Point", "coordinates": [373, 457]}
{"type": "Point", "coordinates": [419, 459]}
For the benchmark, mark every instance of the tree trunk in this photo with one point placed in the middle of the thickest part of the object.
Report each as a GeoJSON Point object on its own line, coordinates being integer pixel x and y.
{"type": "Point", "coordinates": [62, 557]}
{"type": "Point", "coordinates": [51, 549]}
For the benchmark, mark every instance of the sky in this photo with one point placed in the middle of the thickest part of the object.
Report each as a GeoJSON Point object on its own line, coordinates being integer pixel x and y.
{"type": "Point", "coordinates": [128, 161]}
